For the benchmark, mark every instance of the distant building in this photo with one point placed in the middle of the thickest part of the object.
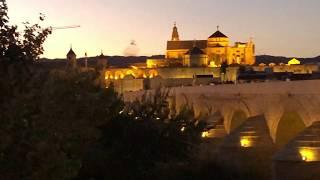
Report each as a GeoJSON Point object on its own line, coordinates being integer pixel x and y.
{"type": "Point", "coordinates": [195, 57]}
{"type": "Point", "coordinates": [191, 63]}
{"type": "Point", "coordinates": [216, 49]}
{"type": "Point", "coordinates": [294, 61]}
{"type": "Point", "coordinates": [71, 59]}
{"type": "Point", "coordinates": [102, 62]}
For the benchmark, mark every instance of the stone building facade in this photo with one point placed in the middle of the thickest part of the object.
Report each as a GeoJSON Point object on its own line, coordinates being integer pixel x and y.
{"type": "Point", "coordinates": [216, 48]}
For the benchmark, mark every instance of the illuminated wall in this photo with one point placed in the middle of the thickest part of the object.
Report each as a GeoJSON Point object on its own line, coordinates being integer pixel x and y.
{"type": "Point", "coordinates": [128, 85]}
{"type": "Point", "coordinates": [219, 41]}
{"type": "Point", "coordinates": [167, 77]}
{"type": "Point", "coordinates": [243, 53]}
{"type": "Point", "coordinates": [156, 63]}
{"type": "Point", "coordinates": [296, 69]}
{"type": "Point", "coordinates": [165, 73]}
{"type": "Point", "coordinates": [217, 54]}
{"type": "Point", "coordinates": [176, 54]}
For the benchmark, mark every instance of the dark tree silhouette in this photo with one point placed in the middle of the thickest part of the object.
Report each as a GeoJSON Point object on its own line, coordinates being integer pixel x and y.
{"type": "Point", "coordinates": [143, 138]}
{"type": "Point", "coordinates": [16, 46]}
{"type": "Point", "coordinates": [47, 118]}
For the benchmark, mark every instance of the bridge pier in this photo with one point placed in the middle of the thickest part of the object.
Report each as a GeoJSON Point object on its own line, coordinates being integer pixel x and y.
{"type": "Point", "coordinates": [248, 149]}
{"type": "Point", "coordinates": [214, 136]}
{"type": "Point", "coordinates": [300, 159]}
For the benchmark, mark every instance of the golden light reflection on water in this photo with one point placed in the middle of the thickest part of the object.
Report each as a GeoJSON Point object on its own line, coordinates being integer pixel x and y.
{"type": "Point", "coordinates": [309, 154]}
{"type": "Point", "coordinates": [205, 134]}
{"type": "Point", "coordinates": [245, 142]}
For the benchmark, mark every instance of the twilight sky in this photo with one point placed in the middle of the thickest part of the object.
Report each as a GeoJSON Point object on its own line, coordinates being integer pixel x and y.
{"type": "Point", "coordinates": [279, 27]}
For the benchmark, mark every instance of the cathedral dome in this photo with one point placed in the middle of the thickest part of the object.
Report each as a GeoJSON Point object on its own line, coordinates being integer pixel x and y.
{"type": "Point", "coordinates": [218, 34]}
{"type": "Point", "coordinates": [195, 51]}
{"type": "Point", "coordinates": [195, 57]}
{"type": "Point", "coordinates": [218, 39]}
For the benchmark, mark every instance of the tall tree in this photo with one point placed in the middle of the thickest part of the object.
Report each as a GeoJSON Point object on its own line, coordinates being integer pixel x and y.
{"type": "Point", "coordinates": [17, 51]}
{"type": "Point", "coordinates": [17, 46]}
{"type": "Point", "coordinates": [47, 118]}
{"type": "Point", "coordinates": [142, 138]}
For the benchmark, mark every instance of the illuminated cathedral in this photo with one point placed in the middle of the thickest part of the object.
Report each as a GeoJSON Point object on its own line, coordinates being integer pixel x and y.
{"type": "Point", "coordinates": [187, 63]}
{"type": "Point", "coordinates": [211, 52]}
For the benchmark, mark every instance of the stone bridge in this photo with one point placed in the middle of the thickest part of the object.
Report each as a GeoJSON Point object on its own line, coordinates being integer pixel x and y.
{"type": "Point", "coordinates": [288, 112]}
{"type": "Point", "coordinates": [274, 101]}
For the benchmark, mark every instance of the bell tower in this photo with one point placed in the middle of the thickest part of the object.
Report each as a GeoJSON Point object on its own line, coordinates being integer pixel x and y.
{"type": "Point", "coordinates": [71, 59]}
{"type": "Point", "coordinates": [102, 62]}
{"type": "Point", "coordinates": [175, 34]}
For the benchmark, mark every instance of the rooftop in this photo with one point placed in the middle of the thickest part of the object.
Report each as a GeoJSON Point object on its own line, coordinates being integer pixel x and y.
{"type": "Point", "coordinates": [218, 34]}
{"type": "Point", "coordinates": [195, 51]}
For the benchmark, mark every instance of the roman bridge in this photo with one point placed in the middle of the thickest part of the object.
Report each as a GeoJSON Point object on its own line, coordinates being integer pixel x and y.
{"type": "Point", "coordinates": [275, 101]}
{"type": "Point", "coordinates": [286, 113]}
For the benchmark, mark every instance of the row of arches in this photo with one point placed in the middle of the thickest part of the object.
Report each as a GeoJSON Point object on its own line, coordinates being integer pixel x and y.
{"type": "Point", "coordinates": [288, 117]}
{"type": "Point", "coordinates": [132, 73]}
{"type": "Point", "coordinates": [285, 116]}
{"type": "Point", "coordinates": [289, 126]}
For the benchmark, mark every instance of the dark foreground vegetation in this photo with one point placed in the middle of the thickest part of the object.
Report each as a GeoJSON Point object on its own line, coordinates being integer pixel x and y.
{"type": "Point", "coordinates": [57, 125]}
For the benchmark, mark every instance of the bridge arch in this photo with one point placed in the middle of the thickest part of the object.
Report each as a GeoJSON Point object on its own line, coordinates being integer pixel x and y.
{"type": "Point", "coordinates": [293, 118]}
{"type": "Point", "coordinates": [289, 126]}
{"type": "Point", "coordinates": [130, 72]}
{"type": "Point", "coordinates": [235, 114]}
{"type": "Point", "coordinates": [238, 118]}
{"type": "Point", "coordinates": [109, 75]}
{"type": "Point", "coordinates": [118, 75]}
{"type": "Point", "coordinates": [153, 73]}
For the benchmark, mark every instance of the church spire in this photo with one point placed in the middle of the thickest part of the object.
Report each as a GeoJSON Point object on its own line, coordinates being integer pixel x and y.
{"type": "Point", "coordinates": [86, 60]}
{"type": "Point", "coordinates": [175, 34]}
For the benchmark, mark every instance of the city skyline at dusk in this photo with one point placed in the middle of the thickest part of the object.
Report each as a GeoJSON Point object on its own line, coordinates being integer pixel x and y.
{"type": "Point", "coordinates": [284, 28]}
{"type": "Point", "coordinates": [167, 89]}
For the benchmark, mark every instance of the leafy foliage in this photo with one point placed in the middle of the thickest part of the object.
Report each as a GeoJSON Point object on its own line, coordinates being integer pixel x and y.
{"type": "Point", "coordinates": [17, 52]}
{"type": "Point", "coordinates": [50, 119]}
{"type": "Point", "coordinates": [15, 46]}
{"type": "Point", "coordinates": [49, 127]}
{"type": "Point", "coordinates": [143, 137]}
